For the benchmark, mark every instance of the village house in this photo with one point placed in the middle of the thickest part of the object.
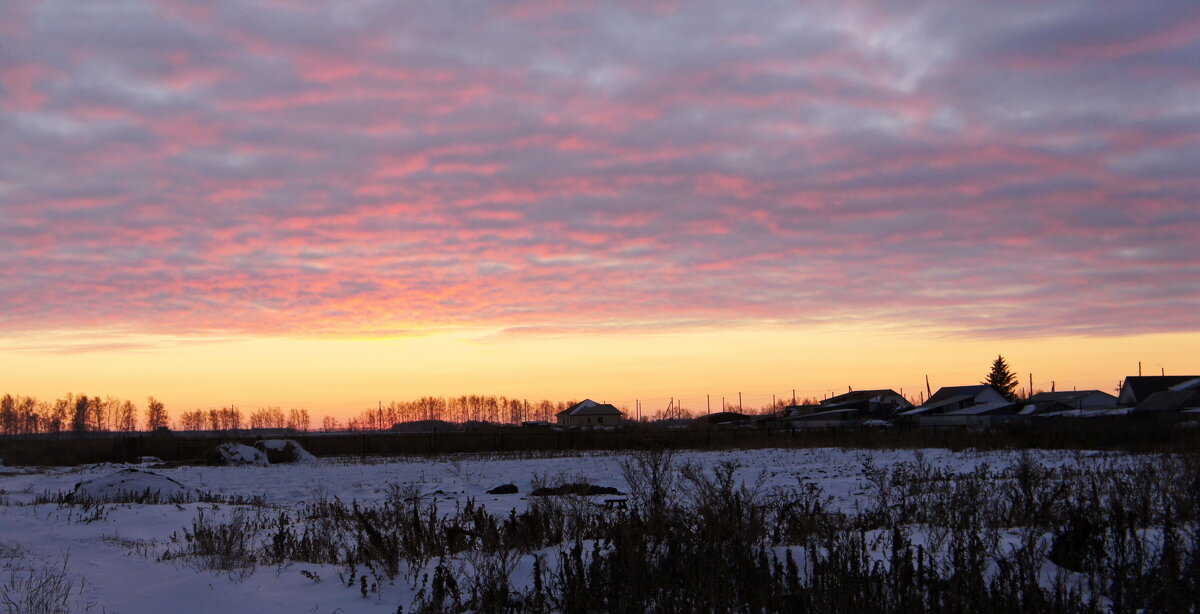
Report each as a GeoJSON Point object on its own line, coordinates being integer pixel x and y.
{"type": "Point", "coordinates": [870, 403]}
{"type": "Point", "coordinates": [978, 400]}
{"type": "Point", "coordinates": [1137, 388]}
{"type": "Point", "coordinates": [589, 413]}
{"type": "Point", "coordinates": [845, 409]}
{"type": "Point", "coordinates": [1162, 394]}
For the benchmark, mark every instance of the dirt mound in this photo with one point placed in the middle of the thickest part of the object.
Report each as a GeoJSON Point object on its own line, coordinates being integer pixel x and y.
{"type": "Point", "coordinates": [132, 486]}
{"type": "Point", "coordinates": [284, 451]}
{"type": "Point", "coordinates": [235, 454]}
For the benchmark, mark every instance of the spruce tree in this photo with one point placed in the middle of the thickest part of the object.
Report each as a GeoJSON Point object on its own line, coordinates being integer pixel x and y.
{"type": "Point", "coordinates": [1002, 379]}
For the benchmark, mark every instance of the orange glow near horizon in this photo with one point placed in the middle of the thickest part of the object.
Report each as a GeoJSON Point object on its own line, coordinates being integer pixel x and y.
{"type": "Point", "coordinates": [341, 377]}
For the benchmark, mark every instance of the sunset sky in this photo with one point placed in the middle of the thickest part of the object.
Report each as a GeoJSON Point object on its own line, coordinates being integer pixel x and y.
{"type": "Point", "coordinates": [329, 204]}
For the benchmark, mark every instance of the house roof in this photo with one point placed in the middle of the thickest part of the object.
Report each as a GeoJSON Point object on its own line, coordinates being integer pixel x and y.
{"type": "Point", "coordinates": [861, 396]}
{"type": "Point", "coordinates": [1139, 388]}
{"type": "Point", "coordinates": [946, 392]}
{"type": "Point", "coordinates": [588, 407]}
{"type": "Point", "coordinates": [855, 395]}
{"type": "Point", "coordinates": [1170, 400]}
{"type": "Point", "coordinates": [939, 403]}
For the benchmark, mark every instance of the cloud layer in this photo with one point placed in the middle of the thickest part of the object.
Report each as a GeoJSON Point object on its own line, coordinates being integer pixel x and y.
{"type": "Point", "coordinates": [369, 166]}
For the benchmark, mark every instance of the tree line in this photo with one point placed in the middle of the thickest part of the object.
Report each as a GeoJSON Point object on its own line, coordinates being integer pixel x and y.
{"type": "Point", "coordinates": [460, 409]}
{"type": "Point", "coordinates": [82, 413]}
{"type": "Point", "coordinates": [22, 415]}
{"type": "Point", "coordinates": [76, 413]}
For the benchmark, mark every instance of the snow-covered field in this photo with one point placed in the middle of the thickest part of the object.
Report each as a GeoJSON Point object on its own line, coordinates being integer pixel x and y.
{"type": "Point", "coordinates": [113, 554]}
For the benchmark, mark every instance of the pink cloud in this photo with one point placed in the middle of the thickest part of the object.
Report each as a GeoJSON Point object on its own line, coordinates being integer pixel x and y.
{"type": "Point", "coordinates": [567, 166]}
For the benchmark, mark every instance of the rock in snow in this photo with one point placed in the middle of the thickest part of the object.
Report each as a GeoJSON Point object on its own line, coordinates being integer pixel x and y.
{"type": "Point", "coordinates": [284, 451]}
{"type": "Point", "coordinates": [131, 485]}
{"type": "Point", "coordinates": [504, 489]}
{"type": "Point", "coordinates": [234, 454]}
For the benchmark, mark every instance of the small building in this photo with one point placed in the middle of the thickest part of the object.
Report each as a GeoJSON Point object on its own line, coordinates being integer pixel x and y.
{"type": "Point", "coordinates": [589, 413]}
{"type": "Point", "coordinates": [1180, 396]}
{"type": "Point", "coordinates": [977, 400]}
{"type": "Point", "coordinates": [1171, 401]}
{"type": "Point", "coordinates": [870, 403]}
{"type": "Point", "coordinates": [1138, 388]}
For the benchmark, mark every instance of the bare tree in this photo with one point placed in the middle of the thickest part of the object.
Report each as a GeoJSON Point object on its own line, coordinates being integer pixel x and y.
{"type": "Point", "coordinates": [156, 414]}
{"type": "Point", "coordinates": [298, 419]}
{"type": "Point", "coordinates": [193, 420]}
{"type": "Point", "coordinates": [8, 415]}
{"type": "Point", "coordinates": [127, 417]}
{"type": "Point", "coordinates": [329, 423]}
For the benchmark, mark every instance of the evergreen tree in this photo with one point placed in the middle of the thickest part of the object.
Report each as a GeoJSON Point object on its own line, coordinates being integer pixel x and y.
{"type": "Point", "coordinates": [1002, 379]}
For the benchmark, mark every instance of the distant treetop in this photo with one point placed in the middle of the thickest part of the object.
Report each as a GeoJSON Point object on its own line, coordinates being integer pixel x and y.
{"type": "Point", "coordinates": [1002, 379]}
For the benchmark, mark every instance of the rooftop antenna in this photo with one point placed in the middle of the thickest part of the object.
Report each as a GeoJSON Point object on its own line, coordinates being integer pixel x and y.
{"type": "Point", "coordinates": [928, 390]}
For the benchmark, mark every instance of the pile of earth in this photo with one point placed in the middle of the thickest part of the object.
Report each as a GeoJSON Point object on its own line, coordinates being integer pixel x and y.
{"type": "Point", "coordinates": [263, 453]}
{"type": "Point", "coordinates": [284, 451]}
{"type": "Point", "coordinates": [132, 486]}
{"type": "Point", "coordinates": [233, 454]}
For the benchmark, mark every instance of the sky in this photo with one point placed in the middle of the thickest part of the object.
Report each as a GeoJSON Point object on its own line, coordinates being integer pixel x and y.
{"type": "Point", "coordinates": [328, 204]}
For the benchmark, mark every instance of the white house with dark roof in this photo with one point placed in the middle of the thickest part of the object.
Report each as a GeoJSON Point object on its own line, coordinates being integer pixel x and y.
{"type": "Point", "coordinates": [589, 413]}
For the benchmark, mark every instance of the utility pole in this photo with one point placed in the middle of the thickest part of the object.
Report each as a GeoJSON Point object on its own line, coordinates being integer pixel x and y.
{"type": "Point", "coordinates": [793, 396]}
{"type": "Point", "coordinates": [739, 402]}
{"type": "Point", "coordinates": [1139, 368]}
{"type": "Point", "coordinates": [708, 404]}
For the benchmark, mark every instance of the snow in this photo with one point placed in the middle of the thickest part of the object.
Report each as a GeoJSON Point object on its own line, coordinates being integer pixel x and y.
{"type": "Point", "coordinates": [131, 483]}
{"type": "Point", "coordinates": [113, 552]}
{"type": "Point", "coordinates": [239, 454]}
{"type": "Point", "coordinates": [279, 449]}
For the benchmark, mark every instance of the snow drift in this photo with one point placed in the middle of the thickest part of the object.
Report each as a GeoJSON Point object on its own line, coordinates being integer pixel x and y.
{"type": "Point", "coordinates": [235, 454]}
{"type": "Point", "coordinates": [132, 485]}
{"type": "Point", "coordinates": [284, 451]}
